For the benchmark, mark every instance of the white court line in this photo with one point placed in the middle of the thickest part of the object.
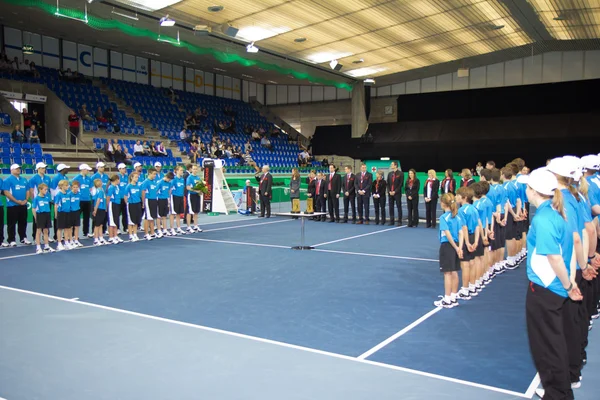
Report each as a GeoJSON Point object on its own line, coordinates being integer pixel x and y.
{"type": "Point", "coordinates": [75, 298]}
{"type": "Point", "coordinates": [376, 255]}
{"type": "Point", "coordinates": [243, 226]}
{"type": "Point", "coordinates": [44, 254]}
{"type": "Point", "coordinates": [229, 242]}
{"type": "Point", "coordinates": [389, 340]}
{"type": "Point", "coordinates": [357, 236]}
{"type": "Point", "coordinates": [534, 385]}
{"type": "Point", "coordinates": [273, 342]}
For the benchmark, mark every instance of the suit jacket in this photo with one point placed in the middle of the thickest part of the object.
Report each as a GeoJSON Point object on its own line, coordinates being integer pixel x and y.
{"type": "Point", "coordinates": [435, 188]}
{"type": "Point", "coordinates": [266, 182]}
{"type": "Point", "coordinates": [312, 187]}
{"type": "Point", "coordinates": [378, 187]}
{"type": "Point", "coordinates": [365, 184]}
{"type": "Point", "coordinates": [468, 183]}
{"type": "Point", "coordinates": [451, 186]}
{"type": "Point", "coordinates": [336, 183]}
{"type": "Point", "coordinates": [348, 185]}
{"type": "Point", "coordinates": [414, 190]}
{"type": "Point", "coordinates": [395, 180]}
{"type": "Point", "coordinates": [322, 188]}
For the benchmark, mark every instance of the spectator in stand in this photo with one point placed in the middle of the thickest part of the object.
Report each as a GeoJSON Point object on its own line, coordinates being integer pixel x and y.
{"type": "Point", "coordinates": [85, 114]}
{"type": "Point", "coordinates": [109, 151]}
{"type": "Point", "coordinates": [68, 75]}
{"type": "Point", "coordinates": [248, 147]}
{"type": "Point", "coordinates": [128, 156]}
{"type": "Point", "coordinates": [228, 152]}
{"type": "Point", "coordinates": [195, 139]}
{"type": "Point", "coordinates": [138, 149]}
{"type": "Point", "coordinates": [5, 65]}
{"type": "Point", "coordinates": [250, 162]}
{"type": "Point", "coordinates": [266, 143]}
{"type": "Point", "coordinates": [100, 117]}
{"type": "Point", "coordinates": [160, 150]}
{"type": "Point", "coordinates": [193, 153]}
{"type": "Point", "coordinates": [74, 126]}
{"type": "Point", "coordinates": [26, 119]}
{"type": "Point", "coordinates": [34, 70]}
{"type": "Point", "coordinates": [478, 168]}
{"type": "Point", "coordinates": [147, 149]}
{"type": "Point", "coordinates": [202, 150]}
{"type": "Point", "coordinates": [24, 68]}
{"type": "Point", "coordinates": [17, 134]}
{"type": "Point", "coordinates": [255, 135]}
{"type": "Point", "coordinates": [108, 116]}
{"type": "Point", "coordinates": [183, 136]}
{"type": "Point", "coordinates": [119, 156]}
{"type": "Point", "coordinates": [190, 122]}
{"type": "Point", "coordinates": [32, 135]}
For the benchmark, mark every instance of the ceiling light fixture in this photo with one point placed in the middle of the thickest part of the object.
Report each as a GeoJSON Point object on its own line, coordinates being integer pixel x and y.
{"type": "Point", "coordinates": [300, 40]}
{"type": "Point", "coordinates": [148, 5]}
{"type": "Point", "coordinates": [151, 54]}
{"type": "Point", "coordinates": [177, 43]}
{"type": "Point", "coordinates": [187, 62]}
{"type": "Point", "coordinates": [27, 49]}
{"type": "Point", "coordinates": [229, 30]}
{"type": "Point", "coordinates": [251, 48]}
{"type": "Point", "coordinates": [219, 69]}
{"type": "Point", "coordinates": [256, 33]}
{"type": "Point", "coordinates": [133, 17]}
{"type": "Point", "coordinates": [319, 58]}
{"type": "Point", "coordinates": [365, 71]}
{"type": "Point", "coordinates": [497, 27]}
{"type": "Point", "coordinates": [559, 18]}
{"type": "Point", "coordinates": [359, 61]}
{"type": "Point", "coordinates": [107, 43]}
{"type": "Point", "coordinates": [84, 19]}
{"type": "Point", "coordinates": [166, 21]}
{"type": "Point", "coordinates": [272, 82]}
{"type": "Point", "coordinates": [335, 65]}
{"type": "Point", "coordinates": [215, 9]}
{"type": "Point", "coordinates": [369, 82]}
{"type": "Point", "coordinates": [247, 76]}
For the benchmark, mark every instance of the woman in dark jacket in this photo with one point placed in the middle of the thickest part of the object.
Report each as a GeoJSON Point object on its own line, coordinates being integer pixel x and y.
{"type": "Point", "coordinates": [378, 190]}
{"type": "Point", "coordinates": [449, 183]}
{"type": "Point", "coordinates": [295, 187]}
{"type": "Point", "coordinates": [411, 188]}
{"type": "Point", "coordinates": [430, 192]}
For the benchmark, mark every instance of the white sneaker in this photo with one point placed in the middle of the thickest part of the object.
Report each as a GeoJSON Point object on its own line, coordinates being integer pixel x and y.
{"type": "Point", "coordinates": [102, 241]}
{"type": "Point", "coordinates": [133, 238]}
{"type": "Point", "coordinates": [51, 240]}
{"type": "Point", "coordinates": [159, 235]}
{"type": "Point", "coordinates": [148, 237]}
{"type": "Point", "coordinates": [576, 385]}
{"type": "Point", "coordinates": [39, 251]}
{"type": "Point", "coordinates": [60, 247]}
{"type": "Point", "coordinates": [4, 244]}
{"type": "Point", "coordinates": [180, 231]}
{"type": "Point", "coordinates": [78, 244]}
{"type": "Point", "coordinates": [90, 235]}
{"type": "Point", "coordinates": [198, 229]}
{"type": "Point", "coordinates": [540, 392]}
{"type": "Point", "coordinates": [166, 232]}
{"type": "Point", "coordinates": [25, 241]}
{"type": "Point", "coordinates": [97, 243]}
{"type": "Point", "coordinates": [120, 240]}
{"type": "Point", "coordinates": [173, 232]}
{"type": "Point", "coordinates": [68, 246]}
{"type": "Point", "coordinates": [189, 230]}
{"type": "Point", "coordinates": [13, 244]}
{"type": "Point", "coordinates": [49, 250]}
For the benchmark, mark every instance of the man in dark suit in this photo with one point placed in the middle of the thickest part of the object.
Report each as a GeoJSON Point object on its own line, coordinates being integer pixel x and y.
{"type": "Point", "coordinates": [334, 186]}
{"type": "Point", "coordinates": [349, 194]}
{"type": "Point", "coordinates": [395, 182]}
{"type": "Point", "coordinates": [264, 192]}
{"type": "Point", "coordinates": [363, 182]}
{"type": "Point", "coordinates": [430, 193]}
{"type": "Point", "coordinates": [320, 193]}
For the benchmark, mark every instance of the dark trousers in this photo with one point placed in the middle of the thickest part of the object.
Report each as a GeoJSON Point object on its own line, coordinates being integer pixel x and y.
{"type": "Point", "coordinates": [265, 205]}
{"type": "Point", "coordinates": [572, 329]}
{"type": "Point", "coordinates": [334, 206]}
{"type": "Point", "coordinates": [124, 219]}
{"type": "Point", "coordinates": [74, 134]}
{"type": "Point", "coordinates": [547, 343]}
{"type": "Point", "coordinates": [1, 224]}
{"type": "Point", "coordinates": [85, 207]}
{"type": "Point", "coordinates": [396, 200]}
{"type": "Point", "coordinates": [16, 215]}
{"type": "Point", "coordinates": [413, 211]}
{"type": "Point", "coordinates": [364, 204]}
{"type": "Point", "coordinates": [350, 201]}
{"type": "Point", "coordinates": [430, 212]}
{"type": "Point", "coordinates": [379, 208]}
{"type": "Point", "coordinates": [320, 206]}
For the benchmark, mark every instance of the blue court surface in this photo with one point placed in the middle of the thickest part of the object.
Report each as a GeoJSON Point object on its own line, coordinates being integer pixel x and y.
{"type": "Point", "coordinates": [234, 313]}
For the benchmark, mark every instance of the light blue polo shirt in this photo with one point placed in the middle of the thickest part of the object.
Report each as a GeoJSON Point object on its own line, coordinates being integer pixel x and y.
{"type": "Point", "coordinates": [63, 201]}
{"type": "Point", "coordinates": [178, 185]}
{"type": "Point", "coordinates": [150, 187]}
{"type": "Point", "coordinates": [452, 224]}
{"type": "Point", "coordinates": [18, 187]}
{"type": "Point", "coordinates": [133, 193]}
{"type": "Point", "coordinates": [114, 193]}
{"type": "Point", "coordinates": [85, 184]}
{"type": "Point", "coordinates": [470, 216]}
{"type": "Point", "coordinates": [36, 181]}
{"type": "Point", "coordinates": [41, 204]}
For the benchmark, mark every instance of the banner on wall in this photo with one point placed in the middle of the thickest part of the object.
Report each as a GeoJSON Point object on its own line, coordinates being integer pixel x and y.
{"type": "Point", "coordinates": [100, 63]}
{"type": "Point", "coordinates": [11, 95]}
{"type": "Point", "coordinates": [141, 70]}
{"type": "Point", "coordinates": [85, 60]}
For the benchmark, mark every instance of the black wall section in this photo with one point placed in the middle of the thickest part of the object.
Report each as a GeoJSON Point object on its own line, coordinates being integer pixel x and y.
{"type": "Point", "coordinates": [458, 129]}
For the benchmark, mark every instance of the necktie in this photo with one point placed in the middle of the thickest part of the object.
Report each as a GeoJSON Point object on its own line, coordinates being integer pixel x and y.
{"type": "Point", "coordinates": [318, 186]}
{"type": "Point", "coordinates": [330, 179]}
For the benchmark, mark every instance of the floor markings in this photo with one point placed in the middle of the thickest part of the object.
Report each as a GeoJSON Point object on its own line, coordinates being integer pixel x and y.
{"type": "Point", "coordinates": [244, 226]}
{"type": "Point", "coordinates": [376, 255]}
{"type": "Point", "coordinates": [74, 298]}
{"type": "Point", "coordinates": [358, 236]}
{"type": "Point", "coordinates": [229, 242]}
{"type": "Point", "coordinates": [389, 340]}
{"type": "Point", "coordinates": [273, 342]}
{"type": "Point", "coordinates": [533, 385]}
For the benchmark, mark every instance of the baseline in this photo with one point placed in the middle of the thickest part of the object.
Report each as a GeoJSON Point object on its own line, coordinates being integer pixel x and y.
{"type": "Point", "coordinates": [358, 236]}
{"type": "Point", "coordinates": [273, 342]}
{"type": "Point", "coordinates": [376, 255]}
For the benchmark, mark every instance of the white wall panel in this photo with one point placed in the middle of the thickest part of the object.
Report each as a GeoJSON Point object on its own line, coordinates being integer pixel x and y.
{"type": "Point", "coordinates": [443, 83]}
{"type": "Point", "coordinates": [428, 84]}
{"type": "Point", "coordinates": [572, 66]}
{"type": "Point", "coordinates": [116, 65]}
{"type": "Point", "coordinates": [342, 94]}
{"type": "Point", "coordinates": [227, 87]}
{"type": "Point", "coordinates": [100, 63]}
{"type": "Point", "coordinates": [398, 88]}
{"type": "Point", "coordinates": [189, 80]}
{"type": "Point", "coordinates": [85, 60]}
{"type": "Point", "coordinates": [477, 78]}
{"type": "Point", "coordinates": [129, 68]}
{"type": "Point", "coordinates": [413, 87]}
{"type": "Point", "coordinates": [252, 90]}
{"type": "Point", "coordinates": [513, 72]}
{"type": "Point", "coordinates": [305, 94]}
{"type": "Point", "coordinates": [459, 83]}
{"type": "Point", "coordinates": [293, 94]}
{"type": "Point", "coordinates": [260, 93]}
{"type": "Point", "coordinates": [141, 70]}
{"type": "Point", "coordinates": [495, 75]}
{"type": "Point", "coordinates": [166, 74]}
{"type": "Point", "coordinates": [34, 40]}
{"type": "Point", "coordinates": [552, 67]}
{"type": "Point", "coordinates": [177, 77]}
{"type": "Point", "coordinates": [384, 91]}
{"type": "Point", "coordinates": [271, 94]}
{"type": "Point", "coordinates": [209, 83]}
{"type": "Point", "coordinates": [69, 55]}
{"type": "Point", "coordinates": [592, 64]}
{"type": "Point", "coordinates": [282, 94]}
{"type": "Point", "coordinates": [329, 93]}
{"type": "Point", "coordinates": [198, 81]}
{"type": "Point", "coordinates": [532, 70]}
{"type": "Point", "coordinates": [219, 85]}
{"type": "Point", "coordinates": [51, 55]}
{"type": "Point", "coordinates": [155, 73]}
{"type": "Point", "coordinates": [245, 91]}
{"type": "Point", "coordinates": [13, 43]}
{"type": "Point", "coordinates": [236, 92]}
{"type": "Point", "coordinates": [317, 93]}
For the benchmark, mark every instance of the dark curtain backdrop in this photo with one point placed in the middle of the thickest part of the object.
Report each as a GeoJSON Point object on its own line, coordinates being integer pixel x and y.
{"type": "Point", "coordinates": [458, 129]}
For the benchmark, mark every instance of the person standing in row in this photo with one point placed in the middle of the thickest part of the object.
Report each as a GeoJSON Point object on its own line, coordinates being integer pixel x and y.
{"type": "Point", "coordinates": [16, 191]}
{"type": "Point", "coordinates": [411, 188]}
{"type": "Point", "coordinates": [123, 182]}
{"type": "Point", "coordinates": [264, 191]}
{"type": "Point", "coordinates": [430, 191]}
{"type": "Point", "coordinates": [467, 178]}
{"type": "Point", "coordinates": [295, 189]}
{"type": "Point", "coordinates": [448, 184]}
{"type": "Point", "coordinates": [334, 186]}
{"type": "Point", "coordinates": [363, 188]}
{"type": "Point", "coordinates": [349, 194]}
{"type": "Point", "coordinates": [395, 182]}
{"type": "Point", "coordinates": [321, 196]}
{"type": "Point", "coordinates": [34, 184]}
{"type": "Point", "coordinates": [85, 202]}
{"type": "Point", "coordinates": [379, 191]}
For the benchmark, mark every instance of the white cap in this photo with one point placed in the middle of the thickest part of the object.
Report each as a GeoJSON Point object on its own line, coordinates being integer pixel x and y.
{"type": "Point", "coordinates": [137, 164]}
{"type": "Point", "coordinates": [15, 166]}
{"type": "Point", "coordinates": [40, 165]}
{"type": "Point", "coordinates": [85, 166]}
{"type": "Point", "coordinates": [562, 166]}
{"type": "Point", "coordinates": [121, 166]}
{"type": "Point", "coordinates": [157, 164]}
{"type": "Point", "coordinates": [60, 167]}
{"type": "Point", "coordinates": [541, 180]}
{"type": "Point", "coordinates": [591, 162]}
{"type": "Point", "coordinates": [577, 164]}
{"type": "Point", "coordinates": [100, 164]}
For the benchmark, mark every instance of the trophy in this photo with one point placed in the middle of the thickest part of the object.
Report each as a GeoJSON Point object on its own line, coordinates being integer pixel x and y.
{"type": "Point", "coordinates": [295, 206]}
{"type": "Point", "coordinates": [309, 206]}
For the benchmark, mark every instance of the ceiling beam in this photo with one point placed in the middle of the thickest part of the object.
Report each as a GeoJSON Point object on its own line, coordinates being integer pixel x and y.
{"type": "Point", "coordinates": [527, 18]}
